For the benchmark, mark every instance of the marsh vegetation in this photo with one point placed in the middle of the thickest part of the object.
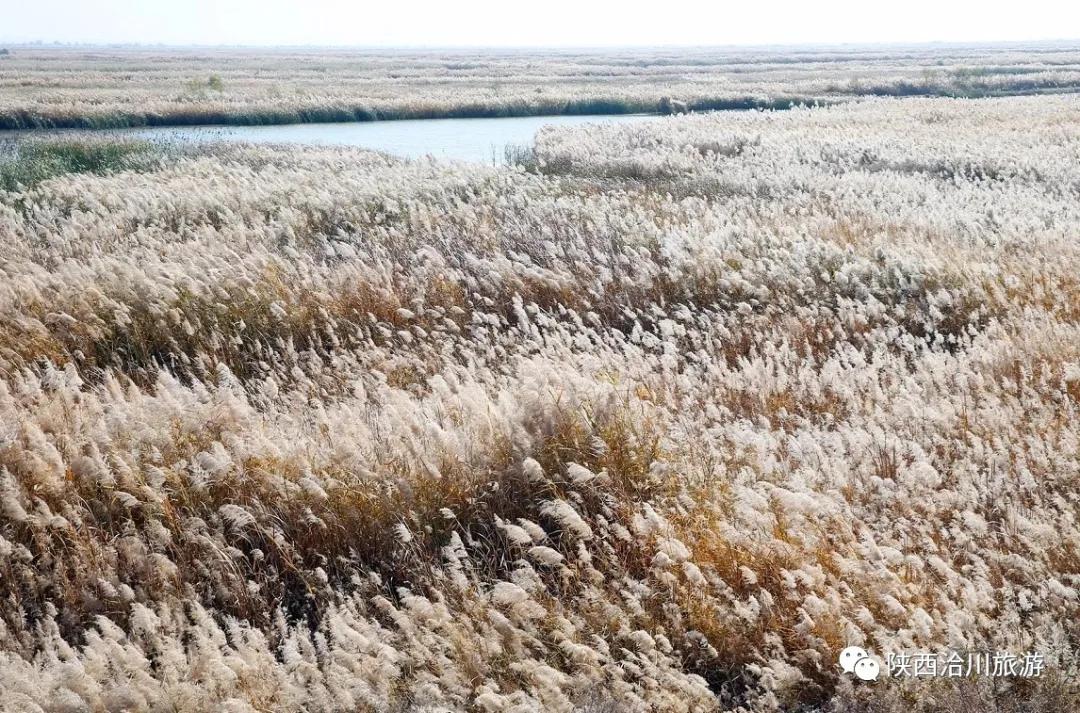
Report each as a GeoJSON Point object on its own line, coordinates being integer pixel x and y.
{"type": "Point", "coordinates": [655, 417]}
{"type": "Point", "coordinates": [103, 88]}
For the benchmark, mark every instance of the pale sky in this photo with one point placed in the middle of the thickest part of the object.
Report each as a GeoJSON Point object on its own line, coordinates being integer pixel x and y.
{"type": "Point", "coordinates": [535, 22]}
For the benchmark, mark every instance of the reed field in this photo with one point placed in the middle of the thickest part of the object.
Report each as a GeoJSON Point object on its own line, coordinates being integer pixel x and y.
{"type": "Point", "coordinates": [115, 87]}
{"type": "Point", "coordinates": [651, 417]}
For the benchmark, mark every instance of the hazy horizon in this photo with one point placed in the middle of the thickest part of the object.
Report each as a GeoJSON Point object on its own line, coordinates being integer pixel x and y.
{"type": "Point", "coordinates": [557, 24]}
{"type": "Point", "coordinates": [75, 44]}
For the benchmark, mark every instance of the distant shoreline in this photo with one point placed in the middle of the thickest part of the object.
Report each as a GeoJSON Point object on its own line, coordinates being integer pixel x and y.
{"type": "Point", "coordinates": [193, 117]}
{"type": "Point", "coordinates": [50, 88]}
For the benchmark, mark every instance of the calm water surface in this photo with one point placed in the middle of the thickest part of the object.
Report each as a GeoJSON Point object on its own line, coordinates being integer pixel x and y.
{"type": "Point", "coordinates": [460, 139]}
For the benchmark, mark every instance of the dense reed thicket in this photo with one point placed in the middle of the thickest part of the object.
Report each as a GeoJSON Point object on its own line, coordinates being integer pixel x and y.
{"type": "Point", "coordinates": [658, 420]}
{"type": "Point", "coordinates": [115, 87]}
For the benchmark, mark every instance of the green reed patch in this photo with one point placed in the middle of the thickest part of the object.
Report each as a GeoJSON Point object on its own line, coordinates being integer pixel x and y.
{"type": "Point", "coordinates": [24, 164]}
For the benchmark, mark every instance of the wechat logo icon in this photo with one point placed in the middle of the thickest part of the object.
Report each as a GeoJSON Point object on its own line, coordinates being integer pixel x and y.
{"type": "Point", "coordinates": [857, 661]}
